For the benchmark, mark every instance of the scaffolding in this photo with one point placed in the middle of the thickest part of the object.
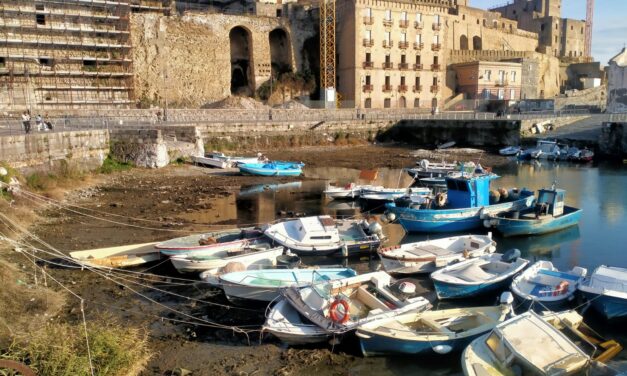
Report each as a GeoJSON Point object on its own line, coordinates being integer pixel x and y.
{"type": "Point", "coordinates": [65, 54]}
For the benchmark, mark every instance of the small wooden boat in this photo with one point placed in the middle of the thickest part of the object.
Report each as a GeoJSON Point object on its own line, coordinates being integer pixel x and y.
{"type": "Point", "coordinates": [548, 215]}
{"type": "Point", "coordinates": [264, 285]}
{"type": "Point", "coordinates": [253, 255]}
{"type": "Point", "coordinates": [606, 290]}
{"type": "Point", "coordinates": [429, 255]}
{"type": "Point", "coordinates": [273, 168]}
{"type": "Point", "coordinates": [477, 276]}
{"type": "Point", "coordinates": [118, 257]}
{"type": "Point", "coordinates": [323, 235]}
{"type": "Point", "coordinates": [210, 242]}
{"type": "Point", "coordinates": [529, 344]}
{"type": "Point", "coordinates": [338, 307]}
{"type": "Point", "coordinates": [431, 332]}
{"type": "Point", "coordinates": [390, 194]}
{"type": "Point", "coordinates": [510, 151]}
{"type": "Point", "coordinates": [546, 288]}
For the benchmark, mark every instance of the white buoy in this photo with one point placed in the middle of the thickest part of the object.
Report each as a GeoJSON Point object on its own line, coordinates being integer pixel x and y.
{"type": "Point", "coordinates": [442, 349]}
{"type": "Point", "coordinates": [391, 217]}
{"type": "Point", "coordinates": [3, 171]}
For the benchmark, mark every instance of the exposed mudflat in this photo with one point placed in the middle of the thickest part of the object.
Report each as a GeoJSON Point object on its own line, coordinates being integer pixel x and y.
{"type": "Point", "coordinates": [148, 205]}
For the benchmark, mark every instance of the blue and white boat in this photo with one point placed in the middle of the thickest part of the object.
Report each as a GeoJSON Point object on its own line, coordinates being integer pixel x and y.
{"type": "Point", "coordinates": [431, 332]}
{"type": "Point", "coordinates": [274, 168]}
{"type": "Point", "coordinates": [462, 208]}
{"type": "Point", "coordinates": [478, 276]}
{"type": "Point", "coordinates": [543, 287]}
{"type": "Point", "coordinates": [606, 290]}
{"type": "Point", "coordinates": [548, 215]}
{"type": "Point", "coordinates": [264, 285]}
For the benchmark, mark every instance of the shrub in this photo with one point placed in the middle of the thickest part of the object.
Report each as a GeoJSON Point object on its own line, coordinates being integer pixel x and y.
{"type": "Point", "coordinates": [111, 165]}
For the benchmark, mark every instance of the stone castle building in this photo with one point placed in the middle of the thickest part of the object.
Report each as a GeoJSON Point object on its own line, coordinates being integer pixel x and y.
{"type": "Point", "coordinates": [78, 54]}
{"type": "Point", "coordinates": [617, 83]}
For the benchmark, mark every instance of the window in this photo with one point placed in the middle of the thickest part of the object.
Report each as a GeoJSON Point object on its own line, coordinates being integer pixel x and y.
{"type": "Point", "coordinates": [417, 81]}
{"type": "Point", "coordinates": [501, 94]}
{"type": "Point", "coordinates": [387, 80]}
{"type": "Point", "coordinates": [436, 39]}
{"type": "Point", "coordinates": [89, 65]}
{"type": "Point", "coordinates": [437, 19]}
{"type": "Point", "coordinates": [418, 59]}
{"type": "Point", "coordinates": [501, 76]}
{"type": "Point", "coordinates": [419, 17]}
{"type": "Point", "coordinates": [404, 16]}
{"type": "Point", "coordinates": [387, 59]}
{"type": "Point", "coordinates": [368, 103]}
{"type": "Point", "coordinates": [513, 76]}
{"type": "Point", "coordinates": [418, 38]}
{"type": "Point", "coordinates": [41, 19]}
{"type": "Point", "coordinates": [368, 57]}
{"type": "Point", "coordinates": [403, 59]}
{"type": "Point", "coordinates": [279, 12]}
{"type": "Point", "coordinates": [322, 237]}
{"type": "Point", "coordinates": [3, 61]}
{"type": "Point", "coordinates": [387, 103]}
{"type": "Point", "coordinates": [388, 15]}
{"type": "Point", "coordinates": [368, 80]}
{"type": "Point", "coordinates": [487, 75]}
{"type": "Point", "coordinates": [486, 93]}
{"type": "Point", "coordinates": [403, 80]}
{"type": "Point", "coordinates": [403, 37]}
{"type": "Point", "coordinates": [46, 62]}
{"type": "Point", "coordinates": [39, 7]}
{"type": "Point", "coordinates": [368, 12]}
{"type": "Point", "coordinates": [435, 60]}
{"type": "Point", "coordinates": [367, 34]}
{"type": "Point", "coordinates": [416, 102]}
{"type": "Point", "coordinates": [572, 28]}
{"type": "Point", "coordinates": [387, 37]}
{"type": "Point", "coordinates": [512, 94]}
{"type": "Point", "coordinates": [435, 81]}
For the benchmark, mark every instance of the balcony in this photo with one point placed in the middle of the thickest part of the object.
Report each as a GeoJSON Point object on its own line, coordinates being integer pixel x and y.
{"type": "Point", "coordinates": [367, 88]}
{"type": "Point", "coordinates": [501, 83]}
{"type": "Point", "coordinates": [435, 67]}
{"type": "Point", "coordinates": [402, 88]}
{"type": "Point", "coordinates": [368, 65]}
{"type": "Point", "coordinates": [435, 88]}
{"type": "Point", "coordinates": [403, 23]}
{"type": "Point", "coordinates": [388, 65]}
{"type": "Point", "coordinates": [436, 47]}
{"type": "Point", "coordinates": [403, 66]}
{"type": "Point", "coordinates": [437, 27]}
{"type": "Point", "coordinates": [417, 67]}
{"type": "Point", "coordinates": [388, 22]}
{"type": "Point", "coordinates": [368, 42]}
{"type": "Point", "coordinates": [388, 44]}
{"type": "Point", "coordinates": [418, 25]}
{"type": "Point", "coordinates": [386, 88]}
{"type": "Point", "coordinates": [368, 20]}
{"type": "Point", "coordinates": [403, 45]}
{"type": "Point", "coordinates": [419, 46]}
{"type": "Point", "coordinates": [417, 88]}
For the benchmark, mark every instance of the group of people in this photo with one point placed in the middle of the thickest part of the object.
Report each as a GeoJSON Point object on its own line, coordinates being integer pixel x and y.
{"type": "Point", "coordinates": [41, 122]}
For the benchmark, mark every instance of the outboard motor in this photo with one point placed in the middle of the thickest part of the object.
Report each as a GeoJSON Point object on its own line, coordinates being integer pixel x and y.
{"type": "Point", "coordinates": [511, 256]}
{"type": "Point", "coordinates": [506, 301]}
{"type": "Point", "coordinates": [375, 228]}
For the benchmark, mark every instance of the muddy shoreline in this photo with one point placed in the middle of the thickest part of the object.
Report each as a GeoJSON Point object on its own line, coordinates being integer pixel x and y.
{"type": "Point", "coordinates": [150, 205]}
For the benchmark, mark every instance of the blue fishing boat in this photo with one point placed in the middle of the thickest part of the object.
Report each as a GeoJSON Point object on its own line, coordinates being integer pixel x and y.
{"type": "Point", "coordinates": [606, 290]}
{"type": "Point", "coordinates": [431, 332]}
{"type": "Point", "coordinates": [548, 215]}
{"type": "Point", "coordinates": [468, 200]}
{"type": "Point", "coordinates": [274, 168]}
{"type": "Point", "coordinates": [478, 276]}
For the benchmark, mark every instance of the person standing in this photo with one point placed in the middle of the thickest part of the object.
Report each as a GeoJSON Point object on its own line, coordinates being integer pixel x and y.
{"type": "Point", "coordinates": [39, 121]}
{"type": "Point", "coordinates": [26, 122]}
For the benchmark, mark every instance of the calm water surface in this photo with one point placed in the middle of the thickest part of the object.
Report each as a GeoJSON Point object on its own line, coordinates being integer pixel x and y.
{"type": "Point", "coordinates": [600, 238]}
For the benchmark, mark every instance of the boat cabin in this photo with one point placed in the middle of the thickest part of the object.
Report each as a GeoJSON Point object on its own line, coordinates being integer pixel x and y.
{"type": "Point", "coordinates": [469, 192]}
{"type": "Point", "coordinates": [550, 202]}
{"type": "Point", "coordinates": [313, 230]}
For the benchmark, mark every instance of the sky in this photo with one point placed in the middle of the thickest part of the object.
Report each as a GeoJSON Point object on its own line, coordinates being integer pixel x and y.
{"type": "Point", "coordinates": [609, 34]}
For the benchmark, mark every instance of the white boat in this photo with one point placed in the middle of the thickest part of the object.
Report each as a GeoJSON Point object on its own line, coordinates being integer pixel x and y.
{"type": "Point", "coordinates": [526, 345]}
{"type": "Point", "coordinates": [285, 261]}
{"type": "Point", "coordinates": [285, 323]}
{"type": "Point", "coordinates": [220, 160]}
{"type": "Point", "coordinates": [390, 194]}
{"type": "Point", "coordinates": [264, 285]}
{"type": "Point", "coordinates": [546, 149]}
{"type": "Point", "coordinates": [428, 169]}
{"type": "Point", "coordinates": [349, 191]}
{"type": "Point", "coordinates": [431, 332]}
{"type": "Point", "coordinates": [429, 255]}
{"type": "Point", "coordinates": [477, 276]}
{"type": "Point", "coordinates": [606, 290]}
{"type": "Point", "coordinates": [118, 257]}
{"type": "Point", "coordinates": [338, 307]}
{"type": "Point", "coordinates": [510, 151]}
{"type": "Point", "coordinates": [211, 242]}
{"type": "Point", "coordinates": [255, 255]}
{"type": "Point", "coordinates": [323, 235]}
{"type": "Point", "coordinates": [545, 287]}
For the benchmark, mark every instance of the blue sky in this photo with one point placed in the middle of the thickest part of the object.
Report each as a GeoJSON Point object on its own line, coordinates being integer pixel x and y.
{"type": "Point", "coordinates": [610, 23]}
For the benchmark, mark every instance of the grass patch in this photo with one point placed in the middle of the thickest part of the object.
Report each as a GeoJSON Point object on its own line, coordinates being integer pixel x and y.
{"type": "Point", "coordinates": [111, 165]}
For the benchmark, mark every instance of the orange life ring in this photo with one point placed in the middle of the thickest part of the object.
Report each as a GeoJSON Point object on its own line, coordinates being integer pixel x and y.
{"type": "Point", "coordinates": [336, 315]}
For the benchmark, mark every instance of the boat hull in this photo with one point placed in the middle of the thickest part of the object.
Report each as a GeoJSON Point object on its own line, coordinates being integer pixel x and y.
{"type": "Point", "coordinates": [261, 258]}
{"type": "Point", "coordinates": [524, 303]}
{"type": "Point", "coordinates": [377, 345]}
{"type": "Point", "coordinates": [610, 307]}
{"type": "Point", "coordinates": [521, 227]}
{"type": "Point", "coordinates": [445, 290]}
{"type": "Point", "coordinates": [452, 220]}
{"type": "Point", "coordinates": [270, 172]}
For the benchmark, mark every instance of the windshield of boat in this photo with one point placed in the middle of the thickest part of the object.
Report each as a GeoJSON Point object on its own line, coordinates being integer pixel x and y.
{"type": "Point", "coordinates": [321, 285]}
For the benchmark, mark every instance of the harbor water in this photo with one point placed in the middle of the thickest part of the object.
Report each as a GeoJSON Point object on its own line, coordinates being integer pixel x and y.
{"type": "Point", "coordinates": [600, 238]}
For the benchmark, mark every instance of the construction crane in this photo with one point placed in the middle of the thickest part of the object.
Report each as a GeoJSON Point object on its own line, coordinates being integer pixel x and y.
{"type": "Point", "coordinates": [327, 52]}
{"type": "Point", "coordinates": [589, 23]}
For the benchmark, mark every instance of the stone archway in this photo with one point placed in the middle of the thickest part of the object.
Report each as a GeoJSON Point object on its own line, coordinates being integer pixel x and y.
{"type": "Point", "coordinates": [242, 79]}
{"type": "Point", "coordinates": [463, 42]}
{"type": "Point", "coordinates": [280, 56]}
{"type": "Point", "coordinates": [477, 43]}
